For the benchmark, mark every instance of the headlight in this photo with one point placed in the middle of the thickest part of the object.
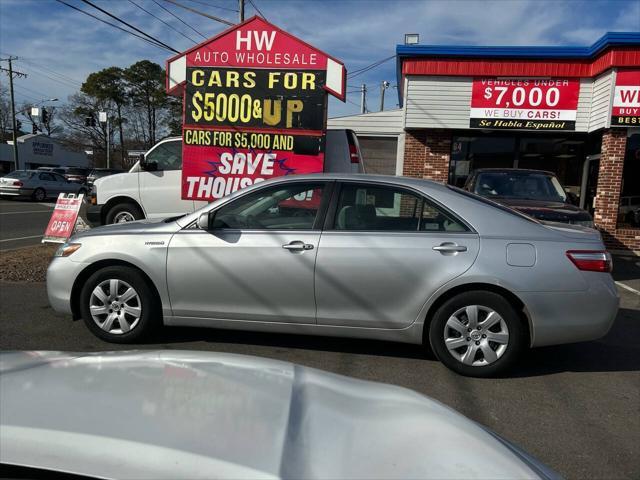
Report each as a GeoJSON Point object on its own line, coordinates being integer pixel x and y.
{"type": "Point", "coordinates": [67, 249]}
{"type": "Point", "coordinates": [584, 223]}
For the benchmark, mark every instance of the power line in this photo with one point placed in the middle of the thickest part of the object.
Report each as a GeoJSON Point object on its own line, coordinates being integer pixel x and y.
{"type": "Point", "coordinates": [61, 82]}
{"type": "Point", "coordinates": [360, 71]}
{"type": "Point", "coordinates": [177, 17]}
{"type": "Point", "coordinates": [112, 24]}
{"type": "Point", "coordinates": [257, 9]}
{"type": "Point", "coordinates": [130, 26]}
{"type": "Point", "coordinates": [167, 24]}
{"type": "Point", "coordinates": [198, 12]}
{"type": "Point", "coordinates": [213, 6]}
{"type": "Point", "coordinates": [43, 67]}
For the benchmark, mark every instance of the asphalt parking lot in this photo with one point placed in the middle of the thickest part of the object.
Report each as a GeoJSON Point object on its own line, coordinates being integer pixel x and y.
{"type": "Point", "coordinates": [575, 407]}
{"type": "Point", "coordinates": [23, 222]}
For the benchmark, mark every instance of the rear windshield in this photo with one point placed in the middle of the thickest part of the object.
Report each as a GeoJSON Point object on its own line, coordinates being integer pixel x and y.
{"type": "Point", "coordinates": [19, 174]}
{"type": "Point", "coordinates": [521, 185]}
{"type": "Point", "coordinates": [76, 171]}
{"type": "Point", "coordinates": [491, 203]}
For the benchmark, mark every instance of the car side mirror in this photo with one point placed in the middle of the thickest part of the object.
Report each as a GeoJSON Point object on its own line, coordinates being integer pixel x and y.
{"type": "Point", "coordinates": [203, 221]}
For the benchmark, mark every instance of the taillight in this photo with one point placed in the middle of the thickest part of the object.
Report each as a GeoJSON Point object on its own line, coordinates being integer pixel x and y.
{"type": "Point", "coordinates": [591, 260]}
{"type": "Point", "coordinates": [17, 183]}
{"type": "Point", "coordinates": [353, 154]}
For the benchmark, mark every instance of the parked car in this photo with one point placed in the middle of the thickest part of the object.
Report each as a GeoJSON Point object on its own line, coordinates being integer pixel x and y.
{"type": "Point", "coordinates": [178, 414]}
{"type": "Point", "coordinates": [391, 258]}
{"type": "Point", "coordinates": [76, 174]}
{"type": "Point", "coordinates": [153, 186]}
{"type": "Point", "coordinates": [38, 185]}
{"type": "Point", "coordinates": [101, 172]}
{"type": "Point", "coordinates": [59, 170]}
{"type": "Point", "coordinates": [534, 192]}
{"type": "Point", "coordinates": [629, 209]}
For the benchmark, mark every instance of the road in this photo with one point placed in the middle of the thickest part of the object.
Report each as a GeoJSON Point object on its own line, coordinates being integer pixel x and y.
{"type": "Point", "coordinates": [575, 407]}
{"type": "Point", "coordinates": [22, 222]}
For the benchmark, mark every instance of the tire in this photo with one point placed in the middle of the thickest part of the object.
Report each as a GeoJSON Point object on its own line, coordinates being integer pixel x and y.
{"type": "Point", "coordinates": [39, 194]}
{"type": "Point", "coordinates": [139, 311]}
{"type": "Point", "coordinates": [464, 352]}
{"type": "Point", "coordinates": [123, 212]}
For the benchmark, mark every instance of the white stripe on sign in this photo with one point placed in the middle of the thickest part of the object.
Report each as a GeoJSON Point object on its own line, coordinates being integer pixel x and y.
{"type": "Point", "coordinates": [27, 211]}
{"type": "Point", "coordinates": [627, 287]}
{"type": "Point", "coordinates": [20, 238]}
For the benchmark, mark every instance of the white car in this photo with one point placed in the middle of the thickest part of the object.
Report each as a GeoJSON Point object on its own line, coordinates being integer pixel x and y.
{"type": "Point", "coordinates": [152, 188]}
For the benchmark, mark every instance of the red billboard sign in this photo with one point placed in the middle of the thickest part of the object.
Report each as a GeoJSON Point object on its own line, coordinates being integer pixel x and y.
{"type": "Point", "coordinates": [255, 103]}
{"type": "Point", "coordinates": [63, 219]}
{"type": "Point", "coordinates": [524, 103]}
{"type": "Point", "coordinates": [625, 111]}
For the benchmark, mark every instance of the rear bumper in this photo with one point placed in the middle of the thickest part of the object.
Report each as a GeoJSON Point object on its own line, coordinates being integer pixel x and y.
{"type": "Point", "coordinates": [568, 317]}
{"type": "Point", "coordinates": [16, 192]}
{"type": "Point", "coordinates": [94, 215]}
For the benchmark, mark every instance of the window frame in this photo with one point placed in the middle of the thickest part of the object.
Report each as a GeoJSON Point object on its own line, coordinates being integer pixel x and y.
{"type": "Point", "coordinates": [330, 218]}
{"type": "Point", "coordinates": [327, 195]}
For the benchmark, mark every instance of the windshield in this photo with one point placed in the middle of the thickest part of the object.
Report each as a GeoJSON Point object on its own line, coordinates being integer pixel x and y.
{"type": "Point", "coordinates": [521, 185]}
{"type": "Point", "coordinates": [19, 174]}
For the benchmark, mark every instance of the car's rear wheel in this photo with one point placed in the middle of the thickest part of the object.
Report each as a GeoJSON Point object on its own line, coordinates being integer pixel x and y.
{"type": "Point", "coordinates": [118, 305]}
{"type": "Point", "coordinates": [124, 212]}
{"type": "Point", "coordinates": [39, 194]}
{"type": "Point", "coordinates": [477, 334]}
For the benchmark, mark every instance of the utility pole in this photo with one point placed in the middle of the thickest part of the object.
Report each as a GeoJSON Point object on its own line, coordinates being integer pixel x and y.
{"type": "Point", "coordinates": [240, 11]}
{"type": "Point", "coordinates": [383, 86]}
{"type": "Point", "coordinates": [13, 108]}
{"type": "Point", "coordinates": [363, 98]}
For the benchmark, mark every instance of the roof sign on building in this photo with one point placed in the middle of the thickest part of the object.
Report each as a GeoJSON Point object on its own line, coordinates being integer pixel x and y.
{"type": "Point", "coordinates": [625, 111]}
{"type": "Point", "coordinates": [541, 104]}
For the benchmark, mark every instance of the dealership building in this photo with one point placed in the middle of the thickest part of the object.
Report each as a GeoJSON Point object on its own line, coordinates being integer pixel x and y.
{"type": "Point", "coordinates": [574, 111]}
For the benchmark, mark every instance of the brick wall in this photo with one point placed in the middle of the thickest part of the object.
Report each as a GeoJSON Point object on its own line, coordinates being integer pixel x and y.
{"type": "Point", "coordinates": [427, 153]}
{"type": "Point", "coordinates": [614, 143]}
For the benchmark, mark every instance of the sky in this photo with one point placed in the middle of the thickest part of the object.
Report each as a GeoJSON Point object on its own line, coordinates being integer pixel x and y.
{"type": "Point", "coordinates": [58, 46]}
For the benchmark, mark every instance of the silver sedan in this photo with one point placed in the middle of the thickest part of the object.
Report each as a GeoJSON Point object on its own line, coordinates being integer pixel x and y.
{"type": "Point", "coordinates": [38, 185]}
{"type": "Point", "coordinates": [376, 257]}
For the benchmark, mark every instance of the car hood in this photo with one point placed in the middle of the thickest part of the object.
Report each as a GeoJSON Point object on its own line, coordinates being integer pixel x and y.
{"type": "Point", "coordinates": [171, 414]}
{"type": "Point", "coordinates": [547, 210]}
{"type": "Point", "coordinates": [148, 226]}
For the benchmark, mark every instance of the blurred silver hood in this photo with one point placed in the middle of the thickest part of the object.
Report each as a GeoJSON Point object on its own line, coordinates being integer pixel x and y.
{"type": "Point", "coordinates": [171, 414]}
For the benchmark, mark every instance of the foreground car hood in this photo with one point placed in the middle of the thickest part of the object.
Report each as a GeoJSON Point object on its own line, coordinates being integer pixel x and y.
{"type": "Point", "coordinates": [168, 414]}
{"type": "Point", "coordinates": [151, 226]}
{"type": "Point", "coordinates": [549, 211]}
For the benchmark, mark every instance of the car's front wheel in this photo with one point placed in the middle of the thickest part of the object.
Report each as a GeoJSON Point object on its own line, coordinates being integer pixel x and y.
{"type": "Point", "coordinates": [477, 334]}
{"type": "Point", "coordinates": [118, 305]}
{"type": "Point", "coordinates": [39, 194]}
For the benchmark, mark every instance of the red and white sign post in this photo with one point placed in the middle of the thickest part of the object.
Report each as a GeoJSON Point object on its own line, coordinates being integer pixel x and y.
{"type": "Point", "coordinates": [524, 103]}
{"type": "Point", "coordinates": [255, 107]}
{"type": "Point", "coordinates": [63, 220]}
{"type": "Point", "coordinates": [625, 111]}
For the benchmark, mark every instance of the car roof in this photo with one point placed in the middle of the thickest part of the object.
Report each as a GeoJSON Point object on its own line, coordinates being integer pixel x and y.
{"type": "Point", "coordinates": [512, 170]}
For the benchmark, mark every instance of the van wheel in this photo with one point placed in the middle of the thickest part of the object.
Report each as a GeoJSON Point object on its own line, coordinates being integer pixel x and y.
{"type": "Point", "coordinates": [124, 212]}
{"type": "Point", "coordinates": [118, 305]}
{"type": "Point", "coordinates": [477, 334]}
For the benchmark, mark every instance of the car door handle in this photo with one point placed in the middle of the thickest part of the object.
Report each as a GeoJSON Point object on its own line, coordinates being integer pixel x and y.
{"type": "Point", "coordinates": [298, 246]}
{"type": "Point", "coordinates": [448, 247]}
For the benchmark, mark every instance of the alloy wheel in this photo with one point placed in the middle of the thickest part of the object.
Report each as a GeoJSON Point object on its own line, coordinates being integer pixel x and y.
{"type": "Point", "coordinates": [115, 306]}
{"type": "Point", "coordinates": [476, 335]}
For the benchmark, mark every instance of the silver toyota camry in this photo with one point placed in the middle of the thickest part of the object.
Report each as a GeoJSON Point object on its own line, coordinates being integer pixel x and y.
{"type": "Point", "coordinates": [363, 256]}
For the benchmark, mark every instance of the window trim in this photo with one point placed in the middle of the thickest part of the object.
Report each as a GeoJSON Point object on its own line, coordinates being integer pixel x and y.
{"type": "Point", "coordinates": [327, 195]}
{"type": "Point", "coordinates": [329, 224]}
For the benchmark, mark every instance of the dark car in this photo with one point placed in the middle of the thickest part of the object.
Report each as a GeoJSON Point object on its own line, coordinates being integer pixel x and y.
{"type": "Point", "coordinates": [101, 172]}
{"type": "Point", "coordinates": [536, 193]}
{"type": "Point", "coordinates": [76, 174]}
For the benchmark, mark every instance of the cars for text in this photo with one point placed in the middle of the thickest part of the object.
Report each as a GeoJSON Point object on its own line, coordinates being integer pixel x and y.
{"type": "Point", "coordinates": [365, 256]}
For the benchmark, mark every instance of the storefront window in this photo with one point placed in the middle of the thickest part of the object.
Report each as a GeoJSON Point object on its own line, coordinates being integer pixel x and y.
{"type": "Point", "coordinates": [629, 210]}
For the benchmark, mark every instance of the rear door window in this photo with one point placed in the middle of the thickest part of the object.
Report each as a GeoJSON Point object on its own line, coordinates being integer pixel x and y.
{"type": "Point", "coordinates": [363, 207]}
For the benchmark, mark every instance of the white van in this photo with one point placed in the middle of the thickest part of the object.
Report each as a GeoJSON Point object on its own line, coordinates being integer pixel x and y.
{"type": "Point", "coordinates": [152, 188]}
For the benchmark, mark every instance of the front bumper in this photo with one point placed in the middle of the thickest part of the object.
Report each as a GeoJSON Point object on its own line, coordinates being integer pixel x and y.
{"type": "Point", "coordinates": [61, 275]}
{"type": "Point", "coordinates": [94, 215]}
